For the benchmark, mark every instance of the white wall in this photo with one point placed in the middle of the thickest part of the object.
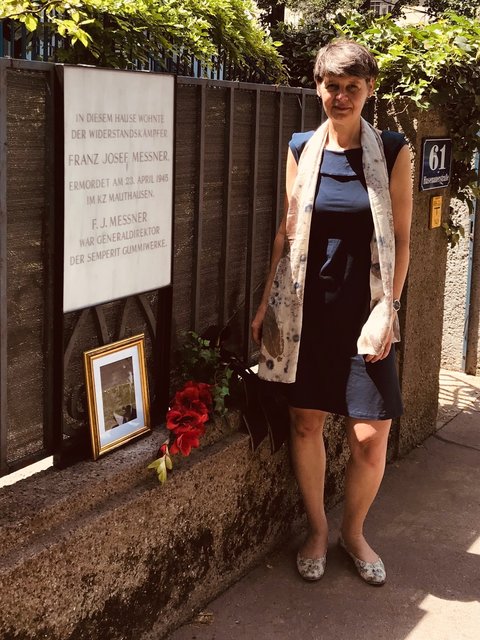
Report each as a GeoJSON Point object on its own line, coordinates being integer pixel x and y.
{"type": "Point", "coordinates": [456, 293]}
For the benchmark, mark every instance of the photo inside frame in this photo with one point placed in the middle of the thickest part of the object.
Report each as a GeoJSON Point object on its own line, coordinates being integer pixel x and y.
{"type": "Point", "coordinates": [118, 393]}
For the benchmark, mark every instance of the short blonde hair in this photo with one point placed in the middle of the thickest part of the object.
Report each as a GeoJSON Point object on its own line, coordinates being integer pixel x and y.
{"type": "Point", "coordinates": [344, 57]}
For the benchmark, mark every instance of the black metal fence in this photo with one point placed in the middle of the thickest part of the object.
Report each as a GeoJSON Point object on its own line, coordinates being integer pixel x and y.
{"type": "Point", "coordinates": [230, 153]}
{"type": "Point", "coordinates": [226, 224]}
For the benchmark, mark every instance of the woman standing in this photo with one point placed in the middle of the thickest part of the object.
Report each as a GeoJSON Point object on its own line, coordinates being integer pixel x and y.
{"type": "Point", "coordinates": [328, 316]}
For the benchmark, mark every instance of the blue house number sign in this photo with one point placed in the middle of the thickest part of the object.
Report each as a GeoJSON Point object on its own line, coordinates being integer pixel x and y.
{"type": "Point", "coordinates": [436, 161]}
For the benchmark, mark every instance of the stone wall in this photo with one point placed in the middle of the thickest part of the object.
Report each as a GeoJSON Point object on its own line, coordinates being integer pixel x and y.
{"type": "Point", "coordinates": [103, 551]}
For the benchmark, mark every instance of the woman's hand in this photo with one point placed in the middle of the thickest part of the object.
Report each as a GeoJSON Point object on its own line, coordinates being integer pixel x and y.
{"type": "Point", "coordinates": [257, 323]}
{"type": "Point", "coordinates": [385, 352]}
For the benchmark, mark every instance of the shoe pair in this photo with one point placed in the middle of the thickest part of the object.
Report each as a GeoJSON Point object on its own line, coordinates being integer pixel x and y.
{"type": "Point", "coordinates": [312, 569]}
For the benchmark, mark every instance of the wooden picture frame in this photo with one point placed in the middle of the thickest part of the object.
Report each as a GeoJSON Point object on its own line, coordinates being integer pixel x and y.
{"type": "Point", "coordinates": [117, 393]}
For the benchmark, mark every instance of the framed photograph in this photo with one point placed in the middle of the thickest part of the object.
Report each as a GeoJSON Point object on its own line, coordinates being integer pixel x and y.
{"type": "Point", "coordinates": [117, 393]}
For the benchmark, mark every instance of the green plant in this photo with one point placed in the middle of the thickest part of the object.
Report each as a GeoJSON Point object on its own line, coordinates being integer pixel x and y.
{"type": "Point", "coordinates": [121, 33]}
{"type": "Point", "coordinates": [463, 8]}
{"type": "Point", "coordinates": [200, 360]}
{"type": "Point", "coordinates": [434, 65]}
{"type": "Point", "coordinates": [201, 381]}
{"type": "Point", "coordinates": [299, 46]}
{"type": "Point", "coordinates": [453, 232]}
{"type": "Point", "coordinates": [315, 11]}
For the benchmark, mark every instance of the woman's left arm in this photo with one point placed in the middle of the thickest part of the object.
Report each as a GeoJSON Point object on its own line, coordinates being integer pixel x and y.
{"type": "Point", "coordinates": [401, 196]}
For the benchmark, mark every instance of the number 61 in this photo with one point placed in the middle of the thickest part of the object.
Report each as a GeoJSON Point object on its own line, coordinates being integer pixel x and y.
{"type": "Point", "coordinates": [436, 159]}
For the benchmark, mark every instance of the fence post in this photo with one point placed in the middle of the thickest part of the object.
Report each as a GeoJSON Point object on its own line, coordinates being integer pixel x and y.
{"type": "Point", "coordinates": [3, 268]}
{"type": "Point", "coordinates": [251, 227]}
{"type": "Point", "coordinates": [198, 222]}
{"type": "Point", "coordinates": [227, 195]}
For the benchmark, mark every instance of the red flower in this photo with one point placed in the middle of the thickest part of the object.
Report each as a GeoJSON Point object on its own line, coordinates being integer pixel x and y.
{"type": "Point", "coordinates": [188, 414]}
{"type": "Point", "coordinates": [196, 406]}
{"type": "Point", "coordinates": [179, 418]}
{"type": "Point", "coordinates": [163, 450]}
{"type": "Point", "coordinates": [204, 391]}
{"type": "Point", "coordinates": [194, 395]}
{"type": "Point", "coordinates": [189, 411]}
{"type": "Point", "coordinates": [187, 439]}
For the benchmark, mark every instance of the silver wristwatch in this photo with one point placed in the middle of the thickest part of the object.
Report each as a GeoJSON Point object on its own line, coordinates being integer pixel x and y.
{"type": "Point", "coordinates": [396, 305]}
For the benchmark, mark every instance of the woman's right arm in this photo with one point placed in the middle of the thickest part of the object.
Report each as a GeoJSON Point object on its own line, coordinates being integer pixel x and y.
{"type": "Point", "coordinates": [277, 251]}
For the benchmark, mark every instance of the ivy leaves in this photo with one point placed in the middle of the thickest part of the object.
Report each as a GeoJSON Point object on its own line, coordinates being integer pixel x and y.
{"type": "Point", "coordinates": [121, 33]}
{"type": "Point", "coordinates": [68, 19]}
{"type": "Point", "coordinates": [200, 359]}
{"type": "Point", "coordinates": [453, 232]}
{"type": "Point", "coordinates": [434, 65]}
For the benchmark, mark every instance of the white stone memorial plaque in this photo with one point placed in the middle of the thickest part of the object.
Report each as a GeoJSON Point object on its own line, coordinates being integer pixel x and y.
{"type": "Point", "coordinates": [118, 197]}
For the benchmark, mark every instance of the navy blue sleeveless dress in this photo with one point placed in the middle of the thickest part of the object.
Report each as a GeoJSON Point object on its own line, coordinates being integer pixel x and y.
{"type": "Point", "coordinates": [331, 375]}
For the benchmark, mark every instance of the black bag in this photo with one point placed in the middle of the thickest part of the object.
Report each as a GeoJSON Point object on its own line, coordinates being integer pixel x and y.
{"type": "Point", "coordinates": [263, 404]}
{"type": "Point", "coordinates": [275, 406]}
{"type": "Point", "coordinates": [264, 407]}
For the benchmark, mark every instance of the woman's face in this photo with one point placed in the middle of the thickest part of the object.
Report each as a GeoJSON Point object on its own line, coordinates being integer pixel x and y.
{"type": "Point", "coordinates": [344, 97]}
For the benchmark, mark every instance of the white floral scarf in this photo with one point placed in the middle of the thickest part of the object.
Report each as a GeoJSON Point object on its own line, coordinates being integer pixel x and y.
{"type": "Point", "coordinates": [282, 325]}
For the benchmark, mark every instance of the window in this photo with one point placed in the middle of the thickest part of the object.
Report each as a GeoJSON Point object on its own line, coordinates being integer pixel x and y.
{"type": "Point", "coordinates": [381, 7]}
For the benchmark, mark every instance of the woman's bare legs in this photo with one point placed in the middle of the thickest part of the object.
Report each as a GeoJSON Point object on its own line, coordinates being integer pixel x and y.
{"type": "Point", "coordinates": [367, 440]}
{"type": "Point", "coordinates": [308, 457]}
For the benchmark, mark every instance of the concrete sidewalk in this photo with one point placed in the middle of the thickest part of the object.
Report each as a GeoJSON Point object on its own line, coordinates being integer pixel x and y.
{"type": "Point", "coordinates": [425, 524]}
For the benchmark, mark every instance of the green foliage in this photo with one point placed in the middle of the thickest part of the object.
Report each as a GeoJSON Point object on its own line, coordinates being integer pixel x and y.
{"type": "Point", "coordinates": [201, 361]}
{"type": "Point", "coordinates": [319, 22]}
{"type": "Point", "coordinates": [300, 42]}
{"type": "Point", "coordinates": [117, 33]}
{"type": "Point", "coordinates": [453, 232]}
{"type": "Point", "coordinates": [160, 466]}
{"type": "Point", "coordinates": [222, 390]}
{"type": "Point", "coordinates": [460, 7]}
{"type": "Point", "coordinates": [299, 46]}
{"type": "Point", "coordinates": [314, 11]}
{"type": "Point", "coordinates": [434, 65]}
